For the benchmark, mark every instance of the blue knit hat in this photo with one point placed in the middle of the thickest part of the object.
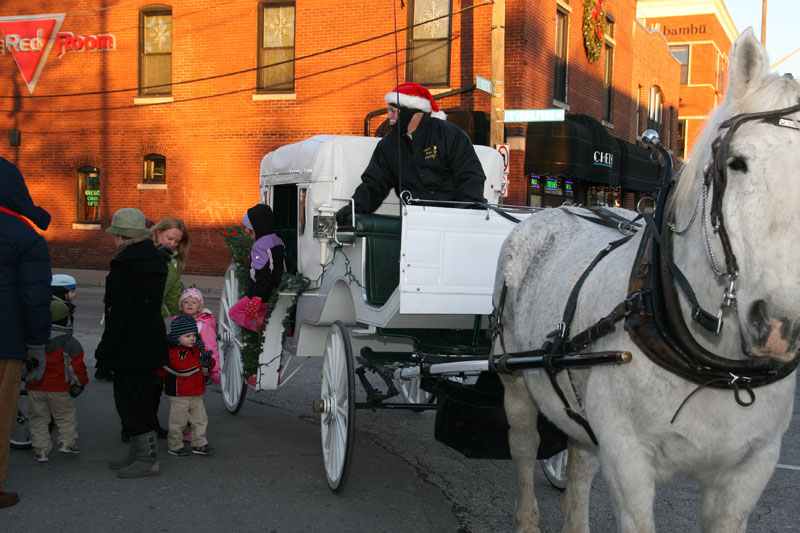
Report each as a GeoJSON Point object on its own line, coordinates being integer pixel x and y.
{"type": "Point", "coordinates": [181, 325]}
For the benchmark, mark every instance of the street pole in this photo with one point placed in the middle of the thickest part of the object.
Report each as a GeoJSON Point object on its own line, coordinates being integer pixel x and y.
{"type": "Point", "coordinates": [498, 72]}
{"type": "Point", "coordinates": [764, 22]}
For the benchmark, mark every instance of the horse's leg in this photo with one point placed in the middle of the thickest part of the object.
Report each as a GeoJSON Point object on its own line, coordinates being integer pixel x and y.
{"type": "Point", "coordinates": [523, 439]}
{"type": "Point", "coordinates": [729, 497]}
{"type": "Point", "coordinates": [582, 466]}
{"type": "Point", "coordinates": [628, 472]}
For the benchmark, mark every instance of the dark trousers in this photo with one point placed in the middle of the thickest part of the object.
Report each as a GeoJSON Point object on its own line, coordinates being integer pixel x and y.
{"type": "Point", "coordinates": [135, 400]}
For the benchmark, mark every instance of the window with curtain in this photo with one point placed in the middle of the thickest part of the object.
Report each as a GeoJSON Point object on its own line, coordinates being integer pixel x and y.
{"type": "Point", "coordinates": [608, 69]}
{"type": "Point", "coordinates": [655, 119]}
{"type": "Point", "coordinates": [681, 148]}
{"type": "Point", "coordinates": [276, 24]}
{"type": "Point", "coordinates": [560, 78]}
{"type": "Point", "coordinates": [155, 51]}
{"type": "Point", "coordinates": [155, 169]}
{"type": "Point", "coordinates": [681, 53]}
{"type": "Point", "coordinates": [428, 58]}
{"type": "Point", "coordinates": [88, 194]}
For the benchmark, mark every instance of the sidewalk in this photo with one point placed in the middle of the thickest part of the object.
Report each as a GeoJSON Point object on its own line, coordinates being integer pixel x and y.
{"type": "Point", "coordinates": [208, 285]}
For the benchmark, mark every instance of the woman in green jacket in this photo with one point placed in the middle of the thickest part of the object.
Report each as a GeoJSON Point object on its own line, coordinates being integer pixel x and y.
{"type": "Point", "coordinates": [171, 237]}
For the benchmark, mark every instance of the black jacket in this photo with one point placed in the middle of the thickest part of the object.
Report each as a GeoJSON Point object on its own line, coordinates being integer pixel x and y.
{"type": "Point", "coordinates": [437, 163]}
{"type": "Point", "coordinates": [24, 267]}
{"type": "Point", "coordinates": [135, 336]}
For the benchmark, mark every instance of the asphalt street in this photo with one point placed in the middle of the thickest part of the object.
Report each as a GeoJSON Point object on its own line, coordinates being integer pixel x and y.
{"type": "Point", "coordinates": [267, 474]}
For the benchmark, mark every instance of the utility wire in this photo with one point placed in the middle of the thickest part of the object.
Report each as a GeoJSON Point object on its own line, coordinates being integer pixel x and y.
{"type": "Point", "coordinates": [244, 71]}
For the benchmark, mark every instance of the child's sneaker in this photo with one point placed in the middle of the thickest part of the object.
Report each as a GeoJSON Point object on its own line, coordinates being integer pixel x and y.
{"type": "Point", "coordinates": [180, 452]}
{"type": "Point", "coordinates": [68, 448]}
{"type": "Point", "coordinates": [203, 450]}
{"type": "Point", "coordinates": [42, 456]}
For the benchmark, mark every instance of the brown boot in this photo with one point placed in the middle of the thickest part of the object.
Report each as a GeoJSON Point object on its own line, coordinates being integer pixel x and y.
{"type": "Point", "coordinates": [7, 499]}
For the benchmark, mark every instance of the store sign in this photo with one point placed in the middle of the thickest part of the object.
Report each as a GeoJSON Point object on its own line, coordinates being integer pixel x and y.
{"type": "Point", "coordinates": [30, 38]}
{"type": "Point", "coordinates": [691, 29]}
{"type": "Point", "coordinates": [603, 159]}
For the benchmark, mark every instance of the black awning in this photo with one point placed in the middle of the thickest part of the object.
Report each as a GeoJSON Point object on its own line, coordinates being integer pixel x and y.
{"type": "Point", "coordinates": [638, 172]}
{"type": "Point", "coordinates": [579, 148]}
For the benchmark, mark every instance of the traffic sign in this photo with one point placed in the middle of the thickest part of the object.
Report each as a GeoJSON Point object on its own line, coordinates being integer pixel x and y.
{"type": "Point", "coordinates": [483, 84]}
{"type": "Point", "coordinates": [534, 115]}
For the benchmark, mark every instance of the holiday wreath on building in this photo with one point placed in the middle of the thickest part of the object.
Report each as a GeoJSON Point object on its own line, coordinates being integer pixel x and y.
{"type": "Point", "coordinates": [594, 27]}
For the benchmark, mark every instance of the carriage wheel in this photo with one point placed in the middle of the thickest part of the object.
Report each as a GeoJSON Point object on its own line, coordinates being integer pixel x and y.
{"type": "Point", "coordinates": [20, 432]}
{"type": "Point", "coordinates": [230, 345]}
{"type": "Point", "coordinates": [338, 406]}
{"type": "Point", "coordinates": [555, 469]}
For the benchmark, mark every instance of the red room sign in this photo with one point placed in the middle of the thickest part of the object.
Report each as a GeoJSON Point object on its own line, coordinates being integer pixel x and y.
{"type": "Point", "coordinates": [29, 39]}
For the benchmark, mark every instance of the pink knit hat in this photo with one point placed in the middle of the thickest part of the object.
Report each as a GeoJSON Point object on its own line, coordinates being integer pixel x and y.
{"type": "Point", "coordinates": [191, 292]}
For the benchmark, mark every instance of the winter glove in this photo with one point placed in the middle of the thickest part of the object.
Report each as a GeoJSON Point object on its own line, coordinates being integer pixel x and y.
{"type": "Point", "coordinates": [35, 362]}
{"type": "Point", "coordinates": [251, 309]}
{"type": "Point", "coordinates": [75, 390]}
{"type": "Point", "coordinates": [343, 216]}
{"type": "Point", "coordinates": [166, 251]}
{"type": "Point", "coordinates": [206, 360]}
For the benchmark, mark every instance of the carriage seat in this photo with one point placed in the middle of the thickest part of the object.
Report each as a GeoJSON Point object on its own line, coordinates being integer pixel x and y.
{"type": "Point", "coordinates": [381, 235]}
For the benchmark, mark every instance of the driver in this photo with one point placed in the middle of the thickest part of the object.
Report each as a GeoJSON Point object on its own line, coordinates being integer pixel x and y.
{"type": "Point", "coordinates": [433, 160]}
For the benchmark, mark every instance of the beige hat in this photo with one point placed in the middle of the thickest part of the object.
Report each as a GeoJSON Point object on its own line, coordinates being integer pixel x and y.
{"type": "Point", "coordinates": [128, 222]}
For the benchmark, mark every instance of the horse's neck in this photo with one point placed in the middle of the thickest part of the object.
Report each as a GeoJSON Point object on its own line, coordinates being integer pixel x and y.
{"type": "Point", "coordinates": [690, 254]}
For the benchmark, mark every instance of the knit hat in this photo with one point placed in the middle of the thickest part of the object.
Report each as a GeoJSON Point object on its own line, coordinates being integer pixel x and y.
{"type": "Point", "coordinates": [412, 95]}
{"type": "Point", "coordinates": [191, 292]}
{"type": "Point", "coordinates": [128, 222]}
{"type": "Point", "coordinates": [62, 284]}
{"type": "Point", "coordinates": [181, 325]}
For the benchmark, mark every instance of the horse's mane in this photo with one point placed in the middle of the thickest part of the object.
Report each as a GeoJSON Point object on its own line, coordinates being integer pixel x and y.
{"type": "Point", "coordinates": [775, 92]}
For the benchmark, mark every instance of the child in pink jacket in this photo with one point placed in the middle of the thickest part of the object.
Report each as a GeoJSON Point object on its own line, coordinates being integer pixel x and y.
{"type": "Point", "coordinates": [191, 303]}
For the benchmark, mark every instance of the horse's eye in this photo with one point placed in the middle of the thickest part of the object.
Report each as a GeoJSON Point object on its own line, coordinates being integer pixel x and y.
{"type": "Point", "coordinates": [737, 164]}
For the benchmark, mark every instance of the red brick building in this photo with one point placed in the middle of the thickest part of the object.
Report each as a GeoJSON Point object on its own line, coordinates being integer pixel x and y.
{"type": "Point", "coordinates": [170, 107]}
{"type": "Point", "coordinates": [700, 34]}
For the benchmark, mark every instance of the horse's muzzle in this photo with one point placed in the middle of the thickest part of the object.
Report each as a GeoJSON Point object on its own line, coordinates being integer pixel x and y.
{"type": "Point", "coordinates": [774, 338]}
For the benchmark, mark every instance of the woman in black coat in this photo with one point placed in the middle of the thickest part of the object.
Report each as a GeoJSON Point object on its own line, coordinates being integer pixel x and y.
{"type": "Point", "coordinates": [134, 344]}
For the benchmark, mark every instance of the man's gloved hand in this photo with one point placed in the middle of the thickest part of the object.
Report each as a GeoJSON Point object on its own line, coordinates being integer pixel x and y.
{"type": "Point", "coordinates": [206, 360]}
{"type": "Point", "coordinates": [251, 309]}
{"type": "Point", "coordinates": [343, 215]}
{"type": "Point", "coordinates": [165, 250]}
{"type": "Point", "coordinates": [35, 362]}
{"type": "Point", "coordinates": [75, 390]}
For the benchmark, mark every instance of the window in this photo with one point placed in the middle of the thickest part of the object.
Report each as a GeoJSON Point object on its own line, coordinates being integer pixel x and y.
{"type": "Point", "coordinates": [429, 44]}
{"type": "Point", "coordinates": [88, 194]}
{"type": "Point", "coordinates": [276, 47]}
{"type": "Point", "coordinates": [720, 74]}
{"type": "Point", "coordinates": [560, 78]}
{"type": "Point", "coordinates": [155, 169]}
{"type": "Point", "coordinates": [681, 148]}
{"type": "Point", "coordinates": [638, 110]}
{"type": "Point", "coordinates": [656, 115]}
{"type": "Point", "coordinates": [608, 73]}
{"type": "Point", "coordinates": [681, 53]}
{"type": "Point", "coordinates": [155, 51]}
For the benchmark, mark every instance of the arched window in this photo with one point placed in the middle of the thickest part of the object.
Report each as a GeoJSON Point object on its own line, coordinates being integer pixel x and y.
{"type": "Point", "coordinates": [155, 169]}
{"type": "Point", "coordinates": [88, 194]}
{"type": "Point", "coordinates": [655, 119]}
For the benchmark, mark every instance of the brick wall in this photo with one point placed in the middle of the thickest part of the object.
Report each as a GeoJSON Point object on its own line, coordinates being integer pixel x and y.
{"type": "Point", "coordinates": [214, 134]}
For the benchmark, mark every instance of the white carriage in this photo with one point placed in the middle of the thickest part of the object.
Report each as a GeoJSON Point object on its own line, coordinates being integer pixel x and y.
{"type": "Point", "coordinates": [407, 278]}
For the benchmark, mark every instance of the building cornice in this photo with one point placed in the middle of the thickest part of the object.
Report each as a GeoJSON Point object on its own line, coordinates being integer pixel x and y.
{"type": "Point", "coordinates": [679, 8]}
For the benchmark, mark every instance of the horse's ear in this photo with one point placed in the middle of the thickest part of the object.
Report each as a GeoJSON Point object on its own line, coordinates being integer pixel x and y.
{"type": "Point", "coordinates": [749, 64]}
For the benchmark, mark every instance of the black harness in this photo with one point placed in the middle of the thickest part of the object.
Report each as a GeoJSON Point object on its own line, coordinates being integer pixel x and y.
{"type": "Point", "coordinates": [652, 311]}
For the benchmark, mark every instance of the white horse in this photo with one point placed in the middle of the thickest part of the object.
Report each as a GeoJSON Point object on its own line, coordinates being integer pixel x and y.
{"type": "Point", "coordinates": [728, 448]}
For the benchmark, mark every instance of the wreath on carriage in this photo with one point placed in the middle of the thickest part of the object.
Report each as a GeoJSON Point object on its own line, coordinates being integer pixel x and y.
{"type": "Point", "coordinates": [594, 27]}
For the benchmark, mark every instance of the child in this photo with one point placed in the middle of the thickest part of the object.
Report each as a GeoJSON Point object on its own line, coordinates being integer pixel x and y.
{"type": "Point", "coordinates": [267, 265]}
{"type": "Point", "coordinates": [185, 384]}
{"type": "Point", "coordinates": [64, 287]}
{"type": "Point", "coordinates": [64, 378]}
{"type": "Point", "coordinates": [191, 303]}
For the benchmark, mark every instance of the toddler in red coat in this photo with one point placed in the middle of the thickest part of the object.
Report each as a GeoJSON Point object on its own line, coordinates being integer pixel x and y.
{"type": "Point", "coordinates": [184, 384]}
{"type": "Point", "coordinates": [64, 378]}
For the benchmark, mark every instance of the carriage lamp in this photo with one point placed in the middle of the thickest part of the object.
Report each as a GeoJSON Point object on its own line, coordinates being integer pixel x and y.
{"type": "Point", "coordinates": [324, 229]}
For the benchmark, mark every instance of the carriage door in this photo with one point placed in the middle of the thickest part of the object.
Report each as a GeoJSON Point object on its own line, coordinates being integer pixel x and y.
{"type": "Point", "coordinates": [284, 208]}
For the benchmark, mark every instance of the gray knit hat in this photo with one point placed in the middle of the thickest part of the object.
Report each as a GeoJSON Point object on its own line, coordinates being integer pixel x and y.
{"type": "Point", "coordinates": [181, 325]}
{"type": "Point", "coordinates": [128, 222]}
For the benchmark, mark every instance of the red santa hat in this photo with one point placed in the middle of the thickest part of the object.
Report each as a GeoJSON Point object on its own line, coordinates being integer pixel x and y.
{"type": "Point", "coordinates": [412, 95]}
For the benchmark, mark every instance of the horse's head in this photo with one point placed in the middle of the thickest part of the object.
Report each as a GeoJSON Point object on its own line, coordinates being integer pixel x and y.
{"type": "Point", "coordinates": [751, 159]}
